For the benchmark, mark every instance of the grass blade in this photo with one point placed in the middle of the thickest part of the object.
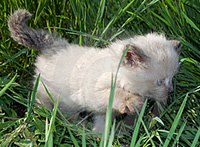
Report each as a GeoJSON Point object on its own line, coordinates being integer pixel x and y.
{"type": "Point", "coordinates": [83, 138]}
{"type": "Point", "coordinates": [191, 22]}
{"type": "Point", "coordinates": [179, 133]}
{"type": "Point", "coordinates": [40, 8]}
{"type": "Point", "coordinates": [112, 135]}
{"type": "Point", "coordinates": [196, 139]}
{"type": "Point", "coordinates": [7, 85]}
{"type": "Point", "coordinates": [115, 18]}
{"type": "Point", "coordinates": [136, 130]}
{"type": "Point", "coordinates": [49, 137]}
{"type": "Point", "coordinates": [75, 143]}
{"type": "Point", "coordinates": [14, 134]}
{"type": "Point", "coordinates": [109, 110]}
{"type": "Point", "coordinates": [99, 14]}
{"type": "Point", "coordinates": [82, 34]}
{"type": "Point", "coordinates": [15, 56]}
{"type": "Point", "coordinates": [33, 97]}
{"type": "Point", "coordinates": [175, 123]}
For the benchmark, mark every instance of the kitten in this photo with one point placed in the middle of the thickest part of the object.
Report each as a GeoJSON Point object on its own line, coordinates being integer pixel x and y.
{"type": "Point", "coordinates": [81, 76]}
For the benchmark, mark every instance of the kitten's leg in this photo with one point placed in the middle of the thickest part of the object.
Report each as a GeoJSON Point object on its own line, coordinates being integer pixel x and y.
{"type": "Point", "coordinates": [157, 111]}
{"type": "Point", "coordinates": [122, 103]}
{"type": "Point", "coordinates": [99, 123]}
{"type": "Point", "coordinates": [129, 119]}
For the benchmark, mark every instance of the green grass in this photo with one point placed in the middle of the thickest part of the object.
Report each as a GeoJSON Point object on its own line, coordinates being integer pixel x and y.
{"type": "Point", "coordinates": [97, 23]}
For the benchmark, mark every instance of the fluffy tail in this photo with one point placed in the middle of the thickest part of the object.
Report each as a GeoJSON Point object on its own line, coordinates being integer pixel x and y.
{"type": "Point", "coordinates": [29, 37]}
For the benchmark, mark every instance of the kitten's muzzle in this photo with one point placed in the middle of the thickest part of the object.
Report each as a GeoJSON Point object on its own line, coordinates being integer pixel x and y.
{"type": "Point", "coordinates": [170, 89]}
{"type": "Point", "coordinates": [170, 86]}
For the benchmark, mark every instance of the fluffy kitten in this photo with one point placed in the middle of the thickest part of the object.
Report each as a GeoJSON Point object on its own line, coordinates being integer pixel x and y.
{"type": "Point", "coordinates": [81, 76]}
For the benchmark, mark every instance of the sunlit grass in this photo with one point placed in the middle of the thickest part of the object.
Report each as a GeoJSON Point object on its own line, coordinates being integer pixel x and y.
{"type": "Point", "coordinates": [97, 23]}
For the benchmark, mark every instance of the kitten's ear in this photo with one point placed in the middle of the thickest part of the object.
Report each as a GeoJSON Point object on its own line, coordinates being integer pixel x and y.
{"type": "Point", "coordinates": [134, 56]}
{"type": "Point", "coordinates": [177, 45]}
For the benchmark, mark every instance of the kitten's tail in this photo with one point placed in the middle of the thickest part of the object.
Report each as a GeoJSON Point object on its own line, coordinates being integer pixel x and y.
{"type": "Point", "coordinates": [29, 37]}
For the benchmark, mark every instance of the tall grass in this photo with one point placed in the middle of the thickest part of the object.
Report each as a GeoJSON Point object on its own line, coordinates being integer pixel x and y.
{"type": "Point", "coordinates": [97, 23]}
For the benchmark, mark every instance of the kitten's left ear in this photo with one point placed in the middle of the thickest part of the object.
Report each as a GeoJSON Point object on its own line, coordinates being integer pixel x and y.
{"type": "Point", "coordinates": [177, 45]}
{"type": "Point", "coordinates": [134, 56]}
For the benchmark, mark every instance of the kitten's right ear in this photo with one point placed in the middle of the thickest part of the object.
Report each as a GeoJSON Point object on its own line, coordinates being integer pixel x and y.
{"type": "Point", "coordinates": [134, 56]}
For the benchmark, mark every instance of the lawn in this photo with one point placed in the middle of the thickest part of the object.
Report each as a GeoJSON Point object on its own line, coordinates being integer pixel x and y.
{"type": "Point", "coordinates": [97, 23]}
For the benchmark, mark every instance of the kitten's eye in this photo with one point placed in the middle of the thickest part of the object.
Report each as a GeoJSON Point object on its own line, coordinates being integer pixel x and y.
{"type": "Point", "coordinates": [160, 82]}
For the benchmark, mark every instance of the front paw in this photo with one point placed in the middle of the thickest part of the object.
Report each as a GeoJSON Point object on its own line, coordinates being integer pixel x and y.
{"type": "Point", "coordinates": [98, 129]}
{"type": "Point", "coordinates": [127, 106]}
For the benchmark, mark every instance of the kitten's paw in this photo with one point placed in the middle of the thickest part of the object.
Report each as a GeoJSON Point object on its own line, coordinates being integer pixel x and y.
{"type": "Point", "coordinates": [98, 129]}
{"type": "Point", "coordinates": [127, 106]}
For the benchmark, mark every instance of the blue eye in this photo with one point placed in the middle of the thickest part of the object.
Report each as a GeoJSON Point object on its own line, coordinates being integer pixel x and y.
{"type": "Point", "coordinates": [160, 82]}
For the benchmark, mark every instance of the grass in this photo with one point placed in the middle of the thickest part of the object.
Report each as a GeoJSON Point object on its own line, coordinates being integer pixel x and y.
{"type": "Point", "coordinates": [97, 23]}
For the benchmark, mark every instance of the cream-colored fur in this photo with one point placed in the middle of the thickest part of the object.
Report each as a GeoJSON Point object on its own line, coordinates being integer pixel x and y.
{"type": "Point", "coordinates": [81, 76]}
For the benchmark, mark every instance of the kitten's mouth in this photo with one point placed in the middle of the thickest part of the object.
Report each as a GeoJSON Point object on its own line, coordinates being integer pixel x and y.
{"type": "Point", "coordinates": [161, 97]}
{"type": "Point", "coordinates": [137, 94]}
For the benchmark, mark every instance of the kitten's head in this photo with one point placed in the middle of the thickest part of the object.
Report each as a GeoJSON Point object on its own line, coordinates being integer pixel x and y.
{"type": "Point", "coordinates": [151, 63]}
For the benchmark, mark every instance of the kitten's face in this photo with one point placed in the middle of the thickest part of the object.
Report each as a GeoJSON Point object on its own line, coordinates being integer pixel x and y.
{"type": "Point", "coordinates": [153, 86]}
{"type": "Point", "coordinates": [152, 70]}
{"type": "Point", "coordinates": [157, 88]}
{"type": "Point", "coordinates": [159, 75]}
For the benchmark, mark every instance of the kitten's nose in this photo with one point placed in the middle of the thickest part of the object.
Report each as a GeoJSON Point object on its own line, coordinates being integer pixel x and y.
{"type": "Point", "coordinates": [170, 89]}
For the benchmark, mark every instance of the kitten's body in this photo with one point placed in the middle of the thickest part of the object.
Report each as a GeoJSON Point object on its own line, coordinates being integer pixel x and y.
{"type": "Point", "coordinates": [81, 76]}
